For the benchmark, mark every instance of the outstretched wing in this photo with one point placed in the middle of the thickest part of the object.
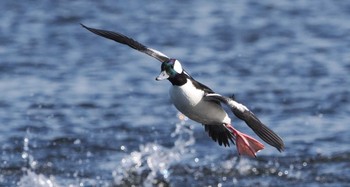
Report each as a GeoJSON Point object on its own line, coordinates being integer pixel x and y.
{"type": "Point", "coordinates": [120, 38]}
{"type": "Point", "coordinates": [243, 113]}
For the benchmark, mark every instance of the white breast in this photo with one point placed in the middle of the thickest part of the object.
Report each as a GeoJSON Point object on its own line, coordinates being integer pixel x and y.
{"type": "Point", "coordinates": [189, 101]}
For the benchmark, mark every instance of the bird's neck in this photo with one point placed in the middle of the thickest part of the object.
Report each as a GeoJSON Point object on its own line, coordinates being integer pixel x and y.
{"type": "Point", "coordinates": [178, 80]}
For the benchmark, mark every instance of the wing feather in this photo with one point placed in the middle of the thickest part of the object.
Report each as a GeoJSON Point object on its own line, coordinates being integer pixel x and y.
{"type": "Point", "coordinates": [243, 113]}
{"type": "Point", "coordinates": [120, 38]}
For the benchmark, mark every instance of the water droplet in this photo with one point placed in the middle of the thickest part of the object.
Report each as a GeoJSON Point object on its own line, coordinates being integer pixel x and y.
{"type": "Point", "coordinates": [304, 164]}
{"type": "Point", "coordinates": [77, 141]}
{"type": "Point", "coordinates": [254, 170]}
{"type": "Point", "coordinates": [25, 144]}
{"type": "Point", "coordinates": [33, 164]}
{"type": "Point", "coordinates": [24, 155]}
{"type": "Point", "coordinates": [165, 173]}
{"type": "Point", "coordinates": [122, 148]}
{"type": "Point", "coordinates": [280, 173]}
{"type": "Point", "coordinates": [196, 160]}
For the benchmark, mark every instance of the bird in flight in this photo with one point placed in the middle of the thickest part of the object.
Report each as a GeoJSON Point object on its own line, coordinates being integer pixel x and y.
{"type": "Point", "coordinates": [201, 104]}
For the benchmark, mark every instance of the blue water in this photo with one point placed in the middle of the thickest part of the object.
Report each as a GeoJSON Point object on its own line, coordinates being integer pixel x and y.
{"type": "Point", "coordinates": [79, 110]}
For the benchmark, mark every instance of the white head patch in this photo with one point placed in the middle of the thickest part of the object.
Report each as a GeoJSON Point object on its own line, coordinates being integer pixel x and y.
{"type": "Point", "coordinates": [177, 66]}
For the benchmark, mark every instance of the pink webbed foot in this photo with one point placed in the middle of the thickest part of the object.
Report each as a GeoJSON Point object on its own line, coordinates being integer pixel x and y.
{"type": "Point", "coordinates": [245, 144]}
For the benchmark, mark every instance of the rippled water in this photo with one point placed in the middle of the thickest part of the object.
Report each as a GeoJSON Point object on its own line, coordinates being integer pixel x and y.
{"type": "Point", "coordinates": [78, 110]}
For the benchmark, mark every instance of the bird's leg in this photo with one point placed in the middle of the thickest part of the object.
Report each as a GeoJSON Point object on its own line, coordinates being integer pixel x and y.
{"type": "Point", "coordinates": [245, 144]}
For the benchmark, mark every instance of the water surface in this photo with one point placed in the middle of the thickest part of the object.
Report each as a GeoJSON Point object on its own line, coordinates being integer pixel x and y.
{"type": "Point", "coordinates": [79, 110]}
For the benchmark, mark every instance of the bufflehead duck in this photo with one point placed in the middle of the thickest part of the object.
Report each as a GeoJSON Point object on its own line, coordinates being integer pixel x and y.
{"type": "Point", "coordinates": [201, 104]}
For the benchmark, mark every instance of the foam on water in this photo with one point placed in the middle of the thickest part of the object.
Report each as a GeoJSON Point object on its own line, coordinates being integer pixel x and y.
{"type": "Point", "coordinates": [154, 164]}
{"type": "Point", "coordinates": [150, 165]}
{"type": "Point", "coordinates": [30, 178]}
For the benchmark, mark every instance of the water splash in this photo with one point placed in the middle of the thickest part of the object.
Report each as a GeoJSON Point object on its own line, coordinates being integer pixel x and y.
{"type": "Point", "coordinates": [26, 154]}
{"type": "Point", "coordinates": [30, 178]}
{"type": "Point", "coordinates": [150, 165]}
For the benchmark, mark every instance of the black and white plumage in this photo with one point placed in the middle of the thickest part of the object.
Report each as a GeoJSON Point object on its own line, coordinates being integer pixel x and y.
{"type": "Point", "coordinates": [200, 103]}
{"type": "Point", "coordinates": [243, 113]}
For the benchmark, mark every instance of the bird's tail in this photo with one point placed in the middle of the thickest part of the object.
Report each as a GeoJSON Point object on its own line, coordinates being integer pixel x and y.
{"type": "Point", "coordinates": [245, 144]}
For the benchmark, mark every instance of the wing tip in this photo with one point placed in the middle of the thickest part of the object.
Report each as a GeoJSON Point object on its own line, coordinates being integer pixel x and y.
{"type": "Point", "coordinates": [276, 142]}
{"type": "Point", "coordinates": [88, 28]}
{"type": "Point", "coordinates": [83, 26]}
{"type": "Point", "coordinates": [280, 147]}
{"type": "Point", "coordinates": [263, 131]}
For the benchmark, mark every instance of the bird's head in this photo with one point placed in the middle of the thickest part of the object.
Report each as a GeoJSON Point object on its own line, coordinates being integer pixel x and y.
{"type": "Point", "coordinates": [169, 69]}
